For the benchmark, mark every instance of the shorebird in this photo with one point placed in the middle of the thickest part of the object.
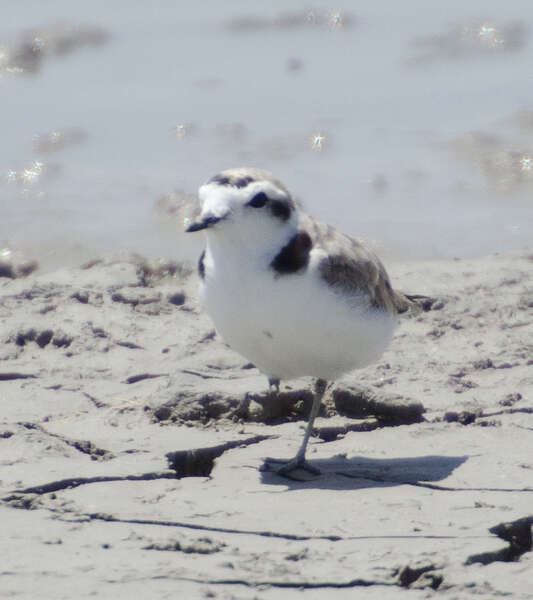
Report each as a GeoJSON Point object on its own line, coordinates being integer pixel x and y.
{"type": "Point", "coordinates": [294, 296]}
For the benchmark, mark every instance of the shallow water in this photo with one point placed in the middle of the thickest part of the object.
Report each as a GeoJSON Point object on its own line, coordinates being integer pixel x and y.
{"type": "Point", "coordinates": [407, 124]}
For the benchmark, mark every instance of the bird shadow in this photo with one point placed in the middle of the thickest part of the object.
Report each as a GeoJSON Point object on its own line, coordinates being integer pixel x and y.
{"type": "Point", "coordinates": [358, 472]}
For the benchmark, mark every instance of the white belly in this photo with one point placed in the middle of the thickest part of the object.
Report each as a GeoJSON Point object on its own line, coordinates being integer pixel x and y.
{"type": "Point", "coordinates": [293, 325]}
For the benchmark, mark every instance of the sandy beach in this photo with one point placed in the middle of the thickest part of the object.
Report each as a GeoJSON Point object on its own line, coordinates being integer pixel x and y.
{"type": "Point", "coordinates": [132, 441]}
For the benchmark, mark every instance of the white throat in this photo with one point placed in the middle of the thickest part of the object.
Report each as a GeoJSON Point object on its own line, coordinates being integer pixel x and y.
{"type": "Point", "coordinates": [253, 241]}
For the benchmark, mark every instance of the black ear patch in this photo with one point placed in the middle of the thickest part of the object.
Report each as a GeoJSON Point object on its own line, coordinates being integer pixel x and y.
{"type": "Point", "coordinates": [259, 200]}
{"type": "Point", "coordinates": [294, 256]}
{"type": "Point", "coordinates": [281, 209]}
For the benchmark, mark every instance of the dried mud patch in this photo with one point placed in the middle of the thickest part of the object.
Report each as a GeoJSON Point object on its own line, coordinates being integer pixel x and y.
{"type": "Point", "coordinates": [350, 401]}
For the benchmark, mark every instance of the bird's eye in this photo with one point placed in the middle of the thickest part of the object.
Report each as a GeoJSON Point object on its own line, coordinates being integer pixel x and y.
{"type": "Point", "coordinates": [258, 200]}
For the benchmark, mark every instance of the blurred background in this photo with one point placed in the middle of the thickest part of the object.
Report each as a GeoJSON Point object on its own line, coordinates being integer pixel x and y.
{"type": "Point", "coordinates": [407, 124]}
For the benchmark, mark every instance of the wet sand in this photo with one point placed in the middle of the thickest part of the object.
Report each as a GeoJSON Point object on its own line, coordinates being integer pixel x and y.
{"type": "Point", "coordinates": [132, 441]}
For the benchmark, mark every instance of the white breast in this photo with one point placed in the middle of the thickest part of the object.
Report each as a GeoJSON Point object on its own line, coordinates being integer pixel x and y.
{"type": "Point", "coordinates": [291, 325]}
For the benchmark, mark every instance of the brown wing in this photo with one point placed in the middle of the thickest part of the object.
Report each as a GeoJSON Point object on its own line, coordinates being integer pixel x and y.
{"type": "Point", "coordinates": [353, 268]}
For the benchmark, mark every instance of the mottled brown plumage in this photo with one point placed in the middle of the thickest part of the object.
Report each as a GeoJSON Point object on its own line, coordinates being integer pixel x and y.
{"type": "Point", "coordinates": [351, 267]}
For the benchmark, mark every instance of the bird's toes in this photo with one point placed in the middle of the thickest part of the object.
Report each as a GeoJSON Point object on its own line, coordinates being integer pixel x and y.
{"type": "Point", "coordinates": [291, 469]}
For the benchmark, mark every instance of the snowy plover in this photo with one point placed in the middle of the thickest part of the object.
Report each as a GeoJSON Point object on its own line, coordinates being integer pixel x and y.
{"type": "Point", "coordinates": [294, 296]}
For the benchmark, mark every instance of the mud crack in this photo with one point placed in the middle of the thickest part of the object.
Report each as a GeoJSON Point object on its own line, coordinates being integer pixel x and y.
{"type": "Point", "coordinates": [143, 376]}
{"type": "Point", "coordinates": [268, 534]}
{"type": "Point", "coordinates": [12, 376]}
{"type": "Point", "coordinates": [423, 576]}
{"type": "Point", "coordinates": [73, 482]}
{"type": "Point", "coordinates": [183, 525]}
{"type": "Point", "coordinates": [304, 585]}
{"type": "Point", "coordinates": [517, 533]}
{"type": "Point", "coordinates": [199, 462]}
{"type": "Point", "coordinates": [83, 446]}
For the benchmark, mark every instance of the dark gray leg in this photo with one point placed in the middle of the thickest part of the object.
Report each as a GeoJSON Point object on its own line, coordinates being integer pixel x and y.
{"type": "Point", "coordinates": [299, 462]}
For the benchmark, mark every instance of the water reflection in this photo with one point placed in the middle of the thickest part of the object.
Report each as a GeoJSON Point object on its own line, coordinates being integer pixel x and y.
{"type": "Point", "coordinates": [27, 52]}
{"type": "Point", "coordinates": [468, 40]}
{"type": "Point", "coordinates": [57, 139]}
{"type": "Point", "coordinates": [329, 19]}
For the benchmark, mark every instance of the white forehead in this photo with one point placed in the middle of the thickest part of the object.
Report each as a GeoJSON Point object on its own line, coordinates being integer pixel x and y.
{"type": "Point", "coordinates": [214, 193]}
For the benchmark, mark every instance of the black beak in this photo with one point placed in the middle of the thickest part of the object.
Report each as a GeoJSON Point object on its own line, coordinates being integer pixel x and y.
{"type": "Point", "coordinates": [202, 224]}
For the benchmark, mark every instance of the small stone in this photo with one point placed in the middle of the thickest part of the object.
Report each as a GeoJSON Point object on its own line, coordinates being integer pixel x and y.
{"type": "Point", "coordinates": [44, 338]}
{"type": "Point", "coordinates": [48, 308]}
{"type": "Point", "coordinates": [162, 413]}
{"type": "Point", "coordinates": [135, 296]}
{"type": "Point", "coordinates": [484, 363]}
{"type": "Point", "coordinates": [178, 298]}
{"type": "Point", "coordinates": [459, 373]}
{"type": "Point", "coordinates": [436, 333]}
{"type": "Point", "coordinates": [489, 423]}
{"type": "Point", "coordinates": [25, 335]}
{"type": "Point", "coordinates": [61, 339]}
{"type": "Point", "coordinates": [408, 575]}
{"type": "Point", "coordinates": [464, 417]}
{"type": "Point", "coordinates": [510, 399]}
{"type": "Point", "coordinates": [451, 416]}
{"type": "Point", "coordinates": [81, 296]}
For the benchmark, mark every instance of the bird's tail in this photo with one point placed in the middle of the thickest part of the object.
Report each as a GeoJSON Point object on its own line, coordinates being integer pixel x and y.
{"type": "Point", "coordinates": [413, 303]}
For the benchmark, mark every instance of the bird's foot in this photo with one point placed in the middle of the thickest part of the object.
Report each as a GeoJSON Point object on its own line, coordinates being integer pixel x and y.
{"type": "Point", "coordinates": [288, 468]}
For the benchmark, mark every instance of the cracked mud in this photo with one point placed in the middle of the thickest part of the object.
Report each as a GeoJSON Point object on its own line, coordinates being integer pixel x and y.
{"type": "Point", "coordinates": [132, 440]}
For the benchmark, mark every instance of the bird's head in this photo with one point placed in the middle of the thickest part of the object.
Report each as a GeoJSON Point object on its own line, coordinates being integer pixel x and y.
{"type": "Point", "coordinates": [245, 206]}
